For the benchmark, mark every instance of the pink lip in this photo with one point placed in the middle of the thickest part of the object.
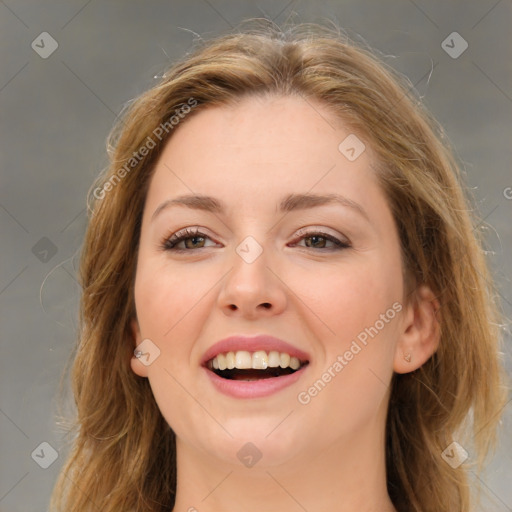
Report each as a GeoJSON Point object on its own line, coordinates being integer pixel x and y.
{"type": "Point", "coordinates": [253, 388]}
{"type": "Point", "coordinates": [252, 344]}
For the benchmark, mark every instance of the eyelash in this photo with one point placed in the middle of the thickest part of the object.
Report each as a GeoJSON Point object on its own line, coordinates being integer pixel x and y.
{"type": "Point", "coordinates": [169, 243]}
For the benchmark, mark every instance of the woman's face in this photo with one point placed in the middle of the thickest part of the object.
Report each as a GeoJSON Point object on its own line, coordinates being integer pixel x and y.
{"type": "Point", "coordinates": [266, 264]}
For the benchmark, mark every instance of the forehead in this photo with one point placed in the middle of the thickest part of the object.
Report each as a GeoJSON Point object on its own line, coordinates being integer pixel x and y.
{"type": "Point", "coordinates": [267, 126]}
{"type": "Point", "coordinates": [258, 147]}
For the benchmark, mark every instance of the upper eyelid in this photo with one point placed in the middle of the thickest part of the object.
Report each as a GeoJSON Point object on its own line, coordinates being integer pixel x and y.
{"type": "Point", "coordinates": [316, 229]}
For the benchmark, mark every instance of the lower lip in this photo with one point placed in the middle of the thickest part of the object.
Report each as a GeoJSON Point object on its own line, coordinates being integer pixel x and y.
{"type": "Point", "coordinates": [254, 388]}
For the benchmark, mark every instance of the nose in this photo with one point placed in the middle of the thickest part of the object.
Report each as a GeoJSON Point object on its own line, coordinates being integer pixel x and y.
{"type": "Point", "coordinates": [252, 289]}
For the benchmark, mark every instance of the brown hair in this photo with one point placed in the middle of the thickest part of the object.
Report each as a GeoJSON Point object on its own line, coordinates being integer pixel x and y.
{"type": "Point", "coordinates": [123, 451]}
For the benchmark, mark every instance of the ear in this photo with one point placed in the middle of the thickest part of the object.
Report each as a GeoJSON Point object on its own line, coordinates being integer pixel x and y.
{"type": "Point", "coordinates": [420, 333]}
{"type": "Point", "coordinates": [137, 367]}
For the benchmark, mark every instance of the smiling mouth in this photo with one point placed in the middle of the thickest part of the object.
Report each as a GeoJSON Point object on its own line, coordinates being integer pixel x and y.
{"type": "Point", "coordinates": [250, 366]}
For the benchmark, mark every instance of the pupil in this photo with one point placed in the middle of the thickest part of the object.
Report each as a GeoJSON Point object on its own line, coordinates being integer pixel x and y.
{"type": "Point", "coordinates": [315, 237]}
{"type": "Point", "coordinates": [193, 238]}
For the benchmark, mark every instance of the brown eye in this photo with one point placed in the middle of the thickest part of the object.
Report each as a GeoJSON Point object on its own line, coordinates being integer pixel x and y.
{"type": "Point", "coordinates": [318, 240]}
{"type": "Point", "coordinates": [192, 239]}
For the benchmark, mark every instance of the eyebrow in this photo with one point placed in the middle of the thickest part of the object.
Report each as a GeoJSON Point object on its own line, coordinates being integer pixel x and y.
{"type": "Point", "coordinates": [289, 203]}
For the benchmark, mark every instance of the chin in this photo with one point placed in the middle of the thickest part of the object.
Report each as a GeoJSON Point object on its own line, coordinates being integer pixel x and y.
{"type": "Point", "coordinates": [253, 444]}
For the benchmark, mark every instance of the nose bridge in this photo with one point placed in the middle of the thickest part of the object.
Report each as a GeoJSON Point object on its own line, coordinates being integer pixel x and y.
{"type": "Point", "coordinates": [250, 250]}
{"type": "Point", "coordinates": [252, 245]}
{"type": "Point", "coordinates": [250, 285]}
{"type": "Point", "coordinates": [249, 265]}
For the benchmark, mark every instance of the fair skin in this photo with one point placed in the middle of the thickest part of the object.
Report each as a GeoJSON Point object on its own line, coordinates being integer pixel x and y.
{"type": "Point", "coordinates": [327, 454]}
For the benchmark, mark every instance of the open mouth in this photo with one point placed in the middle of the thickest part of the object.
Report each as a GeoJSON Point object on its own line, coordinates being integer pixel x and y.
{"type": "Point", "coordinates": [250, 366]}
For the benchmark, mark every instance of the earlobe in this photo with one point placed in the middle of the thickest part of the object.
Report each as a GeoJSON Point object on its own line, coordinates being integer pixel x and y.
{"type": "Point", "coordinates": [421, 332]}
{"type": "Point", "coordinates": [137, 367]}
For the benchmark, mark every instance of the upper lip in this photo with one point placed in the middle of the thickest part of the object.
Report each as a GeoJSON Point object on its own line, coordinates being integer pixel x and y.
{"type": "Point", "coordinates": [252, 344]}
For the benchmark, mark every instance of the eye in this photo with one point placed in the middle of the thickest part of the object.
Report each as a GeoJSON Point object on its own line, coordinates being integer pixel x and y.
{"type": "Point", "coordinates": [319, 239]}
{"type": "Point", "coordinates": [191, 237]}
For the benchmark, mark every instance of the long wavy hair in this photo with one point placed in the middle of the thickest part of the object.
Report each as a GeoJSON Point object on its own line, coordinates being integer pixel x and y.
{"type": "Point", "coordinates": [121, 455]}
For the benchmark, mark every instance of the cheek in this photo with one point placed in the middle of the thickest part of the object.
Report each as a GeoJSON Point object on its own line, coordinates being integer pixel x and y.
{"type": "Point", "coordinates": [171, 313]}
{"type": "Point", "coordinates": [348, 297]}
{"type": "Point", "coordinates": [361, 305]}
{"type": "Point", "coordinates": [165, 297]}
{"type": "Point", "coordinates": [358, 304]}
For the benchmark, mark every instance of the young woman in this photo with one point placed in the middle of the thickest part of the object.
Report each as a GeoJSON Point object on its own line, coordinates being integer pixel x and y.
{"type": "Point", "coordinates": [285, 305]}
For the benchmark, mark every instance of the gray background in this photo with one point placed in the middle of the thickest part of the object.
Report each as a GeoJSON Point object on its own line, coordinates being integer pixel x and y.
{"type": "Point", "coordinates": [56, 114]}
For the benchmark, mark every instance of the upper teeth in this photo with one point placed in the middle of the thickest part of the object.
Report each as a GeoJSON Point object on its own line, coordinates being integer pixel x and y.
{"type": "Point", "coordinates": [259, 360]}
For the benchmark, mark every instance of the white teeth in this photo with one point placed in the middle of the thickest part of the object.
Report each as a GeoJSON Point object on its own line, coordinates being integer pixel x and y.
{"type": "Point", "coordinates": [294, 363]}
{"type": "Point", "coordinates": [259, 360]}
{"type": "Point", "coordinates": [243, 360]}
{"type": "Point", "coordinates": [273, 359]}
{"type": "Point", "coordinates": [230, 360]}
{"type": "Point", "coordinates": [284, 360]}
{"type": "Point", "coordinates": [221, 359]}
